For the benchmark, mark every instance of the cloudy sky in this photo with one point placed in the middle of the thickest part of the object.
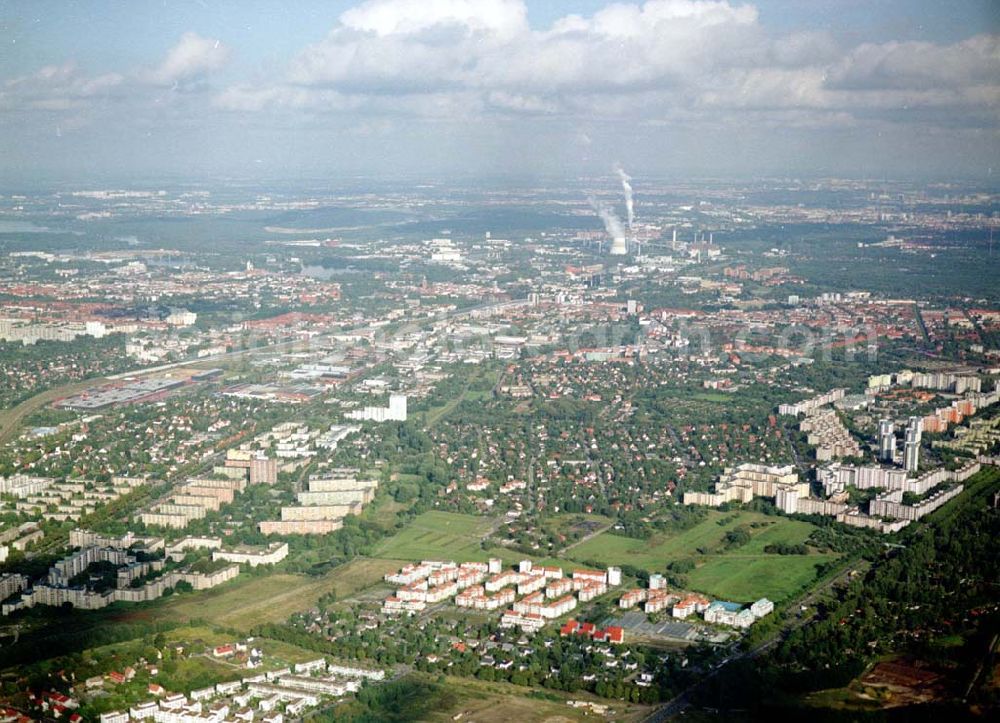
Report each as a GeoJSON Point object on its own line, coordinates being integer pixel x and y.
{"type": "Point", "coordinates": [672, 88]}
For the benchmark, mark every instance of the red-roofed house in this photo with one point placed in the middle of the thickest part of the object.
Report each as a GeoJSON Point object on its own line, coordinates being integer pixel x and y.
{"type": "Point", "coordinates": [569, 628]}
{"type": "Point", "coordinates": [611, 634]}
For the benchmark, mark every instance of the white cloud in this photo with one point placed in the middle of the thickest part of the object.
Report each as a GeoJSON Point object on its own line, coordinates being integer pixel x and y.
{"type": "Point", "coordinates": [687, 62]}
{"type": "Point", "coordinates": [192, 58]}
{"type": "Point", "coordinates": [407, 17]}
{"type": "Point", "coordinates": [625, 20]}
{"type": "Point", "coordinates": [66, 87]}
{"type": "Point", "coordinates": [407, 46]}
{"type": "Point", "coordinates": [56, 88]}
{"type": "Point", "coordinates": [919, 66]}
{"type": "Point", "coordinates": [366, 63]}
{"type": "Point", "coordinates": [244, 98]}
{"type": "Point", "coordinates": [503, 100]}
{"type": "Point", "coordinates": [646, 61]}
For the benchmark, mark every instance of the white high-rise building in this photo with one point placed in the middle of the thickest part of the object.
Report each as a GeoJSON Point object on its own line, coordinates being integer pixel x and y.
{"type": "Point", "coordinates": [786, 500]}
{"type": "Point", "coordinates": [911, 450]}
{"type": "Point", "coordinates": [886, 440]}
{"type": "Point", "coordinates": [397, 407]}
{"type": "Point", "coordinates": [614, 576]}
{"type": "Point", "coordinates": [96, 329]}
{"type": "Point", "coordinates": [395, 412]}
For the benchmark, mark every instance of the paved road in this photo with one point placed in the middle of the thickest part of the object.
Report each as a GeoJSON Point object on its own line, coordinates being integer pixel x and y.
{"type": "Point", "coordinates": [595, 533]}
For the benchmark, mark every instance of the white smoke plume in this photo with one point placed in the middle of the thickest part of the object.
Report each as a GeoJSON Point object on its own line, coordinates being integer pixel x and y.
{"type": "Point", "coordinates": [627, 187]}
{"type": "Point", "coordinates": [611, 223]}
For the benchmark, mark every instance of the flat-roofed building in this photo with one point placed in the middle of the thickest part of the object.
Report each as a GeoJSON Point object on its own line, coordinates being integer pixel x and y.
{"type": "Point", "coordinates": [272, 554]}
{"type": "Point", "coordinates": [299, 527]}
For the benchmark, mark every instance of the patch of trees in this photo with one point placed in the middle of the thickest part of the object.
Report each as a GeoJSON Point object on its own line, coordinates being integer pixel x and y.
{"type": "Point", "coordinates": [784, 548]}
{"type": "Point", "coordinates": [736, 537]}
{"type": "Point", "coordinates": [399, 700]}
{"type": "Point", "coordinates": [71, 631]}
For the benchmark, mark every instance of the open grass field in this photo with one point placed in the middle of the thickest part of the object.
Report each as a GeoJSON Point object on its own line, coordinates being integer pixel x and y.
{"type": "Point", "coordinates": [252, 600]}
{"type": "Point", "coordinates": [512, 557]}
{"type": "Point", "coordinates": [383, 512]}
{"type": "Point", "coordinates": [743, 573]}
{"type": "Point", "coordinates": [200, 634]}
{"type": "Point", "coordinates": [577, 524]}
{"type": "Point", "coordinates": [711, 397]}
{"type": "Point", "coordinates": [789, 532]}
{"type": "Point", "coordinates": [502, 703]}
{"type": "Point", "coordinates": [196, 672]}
{"type": "Point", "coordinates": [438, 535]}
{"type": "Point", "coordinates": [744, 578]}
{"type": "Point", "coordinates": [656, 552]}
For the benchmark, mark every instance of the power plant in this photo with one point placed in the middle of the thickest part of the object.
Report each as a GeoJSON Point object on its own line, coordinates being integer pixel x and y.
{"type": "Point", "coordinates": [628, 237]}
{"type": "Point", "coordinates": [622, 238]}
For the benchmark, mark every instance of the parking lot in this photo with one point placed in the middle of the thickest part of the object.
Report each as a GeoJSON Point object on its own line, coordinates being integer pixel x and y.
{"type": "Point", "coordinates": [637, 623]}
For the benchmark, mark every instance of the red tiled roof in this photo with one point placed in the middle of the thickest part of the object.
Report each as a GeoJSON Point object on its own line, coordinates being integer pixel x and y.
{"type": "Point", "coordinates": [569, 628]}
{"type": "Point", "coordinates": [615, 633]}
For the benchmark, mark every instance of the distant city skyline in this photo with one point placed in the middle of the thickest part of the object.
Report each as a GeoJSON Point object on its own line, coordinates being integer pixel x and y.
{"type": "Point", "coordinates": [883, 88]}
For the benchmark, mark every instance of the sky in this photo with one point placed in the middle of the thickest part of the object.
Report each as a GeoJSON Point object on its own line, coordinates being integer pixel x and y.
{"type": "Point", "coordinates": [678, 89]}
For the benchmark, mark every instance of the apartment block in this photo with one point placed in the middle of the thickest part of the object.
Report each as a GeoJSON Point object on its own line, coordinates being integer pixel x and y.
{"type": "Point", "coordinates": [272, 554]}
{"type": "Point", "coordinates": [299, 527]}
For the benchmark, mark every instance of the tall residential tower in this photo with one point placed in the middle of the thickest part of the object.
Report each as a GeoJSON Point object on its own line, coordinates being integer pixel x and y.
{"type": "Point", "coordinates": [886, 440]}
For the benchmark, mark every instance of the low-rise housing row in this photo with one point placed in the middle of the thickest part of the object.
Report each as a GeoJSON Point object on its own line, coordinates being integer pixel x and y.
{"type": "Point", "coordinates": [544, 592]}
{"type": "Point", "coordinates": [255, 698]}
